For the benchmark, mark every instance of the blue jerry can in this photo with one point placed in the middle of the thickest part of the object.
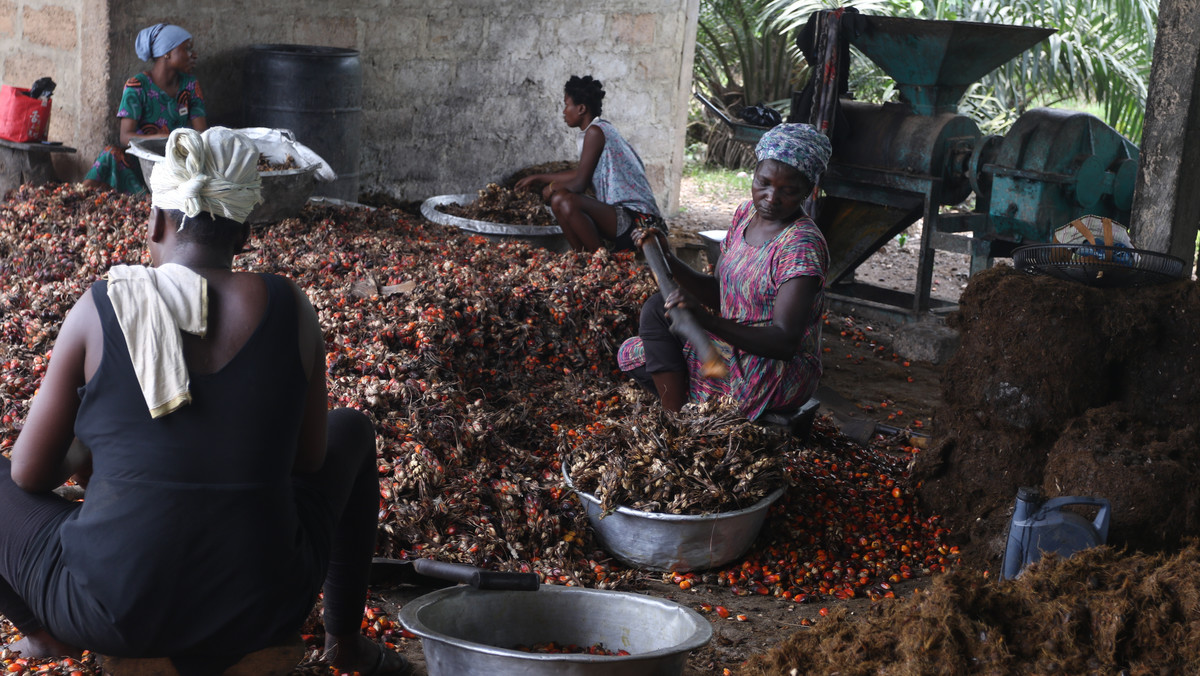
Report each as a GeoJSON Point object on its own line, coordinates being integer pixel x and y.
{"type": "Point", "coordinates": [1040, 526]}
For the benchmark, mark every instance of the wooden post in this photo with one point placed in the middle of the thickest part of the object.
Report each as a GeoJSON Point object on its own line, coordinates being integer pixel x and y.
{"type": "Point", "coordinates": [1166, 204]}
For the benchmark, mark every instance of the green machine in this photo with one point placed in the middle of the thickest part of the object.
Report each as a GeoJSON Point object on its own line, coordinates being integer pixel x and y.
{"type": "Point", "coordinates": [918, 158]}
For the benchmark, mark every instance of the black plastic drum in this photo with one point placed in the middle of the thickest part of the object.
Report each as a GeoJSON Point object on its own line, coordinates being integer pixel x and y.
{"type": "Point", "coordinates": [317, 93]}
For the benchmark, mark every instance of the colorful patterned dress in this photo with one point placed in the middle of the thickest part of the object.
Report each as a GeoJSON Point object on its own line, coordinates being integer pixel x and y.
{"type": "Point", "coordinates": [749, 277]}
{"type": "Point", "coordinates": [156, 113]}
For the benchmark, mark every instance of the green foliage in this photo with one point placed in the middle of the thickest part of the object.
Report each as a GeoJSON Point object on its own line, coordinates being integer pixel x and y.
{"type": "Point", "coordinates": [792, 15]}
{"type": "Point", "coordinates": [719, 183]}
{"type": "Point", "coordinates": [868, 82]}
{"type": "Point", "coordinates": [1100, 53]}
{"type": "Point", "coordinates": [694, 155]}
{"type": "Point", "coordinates": [742, 58]}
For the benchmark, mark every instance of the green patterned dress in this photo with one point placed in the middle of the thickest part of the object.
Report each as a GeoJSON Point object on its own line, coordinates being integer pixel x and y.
{"type": "Point", "coordinates": [156, 113]}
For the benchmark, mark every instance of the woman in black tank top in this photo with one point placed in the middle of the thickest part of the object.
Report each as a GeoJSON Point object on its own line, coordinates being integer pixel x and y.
{"type": "Point", "coordinates": [215, 474]}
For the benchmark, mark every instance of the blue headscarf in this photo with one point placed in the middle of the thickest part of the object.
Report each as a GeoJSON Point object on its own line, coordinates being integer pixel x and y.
{"type": "Point", "coordinates": [797, 145]}
{"type": "Point", "coordinates": [155, 41]}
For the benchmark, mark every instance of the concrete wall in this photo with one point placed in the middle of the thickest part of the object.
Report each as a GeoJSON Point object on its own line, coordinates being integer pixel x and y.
{"type": "Point", "coordinates": [457, 93]}
{"type": "Point", "coordinates": [67, 41]}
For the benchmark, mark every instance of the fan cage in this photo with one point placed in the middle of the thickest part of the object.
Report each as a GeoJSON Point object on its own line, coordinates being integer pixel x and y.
{"type": "Point", "coordinates": [1099, 265]}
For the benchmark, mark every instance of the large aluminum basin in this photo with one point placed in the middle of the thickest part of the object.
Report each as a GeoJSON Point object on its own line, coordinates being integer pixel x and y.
{"type": "Point", "coordinates": [467, 631]}
{"type": "Point", "coordinates": [675, 542]}
{"type": "Point", "coordinates": [545, 236]}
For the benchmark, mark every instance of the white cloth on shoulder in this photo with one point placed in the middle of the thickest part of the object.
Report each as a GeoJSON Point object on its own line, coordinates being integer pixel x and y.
{"type": "Point", "coordinates": [152, 306]}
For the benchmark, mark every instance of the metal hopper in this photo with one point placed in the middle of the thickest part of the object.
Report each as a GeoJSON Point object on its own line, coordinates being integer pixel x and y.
{"type": "Point", "coordinates": [934, 62]}
{"type": "Point", "coordinates": [900, 162]}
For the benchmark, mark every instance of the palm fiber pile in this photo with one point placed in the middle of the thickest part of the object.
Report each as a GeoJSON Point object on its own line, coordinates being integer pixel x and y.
{"type": "Point", "coordinates": [1098, 612]}
{"type": "Point", "coordinates": [1076, 390]}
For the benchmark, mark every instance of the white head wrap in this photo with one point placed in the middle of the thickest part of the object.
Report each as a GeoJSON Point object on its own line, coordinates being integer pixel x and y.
{"type": "Point", "coordinates": [216, 171]}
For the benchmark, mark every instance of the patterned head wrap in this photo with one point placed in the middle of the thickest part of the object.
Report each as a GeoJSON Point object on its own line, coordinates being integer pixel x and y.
{"type": "Point", "coordinates": [216, 171]}
{"type": "Point", "coordinates": [155, 41]}
{"type": "Point", "coordinates": [796, 145]}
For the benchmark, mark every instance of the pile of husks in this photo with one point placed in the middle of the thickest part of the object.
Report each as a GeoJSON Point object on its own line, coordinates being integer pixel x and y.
{"type": "Point", "coordinates": [705, 460]}
{"type": "Point", "coordinates": [1098, 612]}
{"type": "Point", "coordinates": [497, 204]}
{"type": "Point", "coordinates": [477, 362]}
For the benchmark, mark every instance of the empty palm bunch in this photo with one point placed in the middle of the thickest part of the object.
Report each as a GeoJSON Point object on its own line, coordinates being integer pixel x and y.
{"type": "Point", "coordinates": [705, 459]}
{"type": "Point", "coordinates": [497, 204]}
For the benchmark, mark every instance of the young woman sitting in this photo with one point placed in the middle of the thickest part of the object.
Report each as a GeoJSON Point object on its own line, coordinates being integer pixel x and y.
{"type": "Point", "coordinates": [154, 103]}
{"type": "Point", "coordinates": [608, 164]}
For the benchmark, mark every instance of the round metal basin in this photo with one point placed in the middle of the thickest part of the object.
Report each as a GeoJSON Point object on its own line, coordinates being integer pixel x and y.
{"type": "Point", "coordinates": [712, 244]}
{"type": "Point", "coordinates": [675, 542]}
{"type": "Point", "coordinates": [467, 631]}
{"type": "Point", "coordinates": [545, 236]}
{"type": "Point", "coordinates": [284, 192]}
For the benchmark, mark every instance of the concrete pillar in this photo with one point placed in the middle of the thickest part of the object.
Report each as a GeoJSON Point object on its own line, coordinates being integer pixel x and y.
{"type": "Point", "coordinates": [691, 10]}
{"type": "Point", "coordinates": [1166, 203]}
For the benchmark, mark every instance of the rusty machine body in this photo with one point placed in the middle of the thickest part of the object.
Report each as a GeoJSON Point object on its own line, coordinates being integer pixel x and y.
{"type": "Point", "coordinates": [917, 158]}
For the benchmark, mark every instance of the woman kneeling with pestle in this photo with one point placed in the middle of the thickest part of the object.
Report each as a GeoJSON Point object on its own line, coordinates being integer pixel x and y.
{"type": "Point", "coordinates": [222, 495]}
{"type": "Point", "coordinates": [763, 307]}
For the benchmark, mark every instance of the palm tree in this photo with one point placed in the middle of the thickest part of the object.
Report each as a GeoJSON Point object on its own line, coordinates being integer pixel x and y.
{"type": "Point", "coordinates": [1100, 53]}
{"type": "Point", "coordinates": [742, 57]}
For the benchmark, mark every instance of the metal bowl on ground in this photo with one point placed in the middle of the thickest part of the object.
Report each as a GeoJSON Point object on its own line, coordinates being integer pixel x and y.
{"type": "Point", "coordinates": [284, 191]}
{"type": "Point", "coordinates": [675, 542]}
{"type": "Point", "coordinates": [712, 244]}
{"type": "Point", "coordinates": [467, 631]}
{"type": "Point", "coordinates": [545, 236]}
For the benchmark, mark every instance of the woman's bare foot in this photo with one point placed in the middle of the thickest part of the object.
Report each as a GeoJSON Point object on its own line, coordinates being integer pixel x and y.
{"type": "Point", "coordinates": [358, 654]}
{"type": "Point", "coordinates": [41, 644]}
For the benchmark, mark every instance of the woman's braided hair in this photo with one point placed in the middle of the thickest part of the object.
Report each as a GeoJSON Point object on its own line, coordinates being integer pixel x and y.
{"type": "Point", "coordinates": [587, 91]}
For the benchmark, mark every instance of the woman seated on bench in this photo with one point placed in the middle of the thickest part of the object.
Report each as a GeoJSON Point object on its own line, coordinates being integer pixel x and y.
{"type": "Point", "coordinates": [222, 495]}
{"type": "Point", "coordinates": [163, 98]}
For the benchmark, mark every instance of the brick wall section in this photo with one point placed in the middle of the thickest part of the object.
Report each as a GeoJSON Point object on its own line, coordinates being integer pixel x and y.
{"type": "Point", "coordinates": [456, 92]}
{"type": "Point", "coordinates": [8, 19]}
{"type": "Point", "coordinates": [21, 70]}
{"type": "Point", "coordinates": [51, 26]}
{"type": "Point", "coordinates": [41, 39]}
